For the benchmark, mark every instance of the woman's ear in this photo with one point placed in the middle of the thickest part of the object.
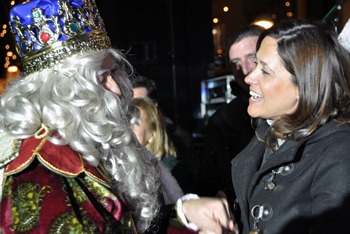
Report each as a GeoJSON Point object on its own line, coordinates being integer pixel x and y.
{"type": "Point", "coordinates": [151, 138]}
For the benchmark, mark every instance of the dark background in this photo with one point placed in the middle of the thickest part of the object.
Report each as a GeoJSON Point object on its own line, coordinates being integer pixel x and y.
{"type": "Point", "coordinates": [171, 41]}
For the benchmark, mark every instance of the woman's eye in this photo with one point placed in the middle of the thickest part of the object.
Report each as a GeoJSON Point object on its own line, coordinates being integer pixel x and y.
{"type": "Point", "coordinates": [265, 72]}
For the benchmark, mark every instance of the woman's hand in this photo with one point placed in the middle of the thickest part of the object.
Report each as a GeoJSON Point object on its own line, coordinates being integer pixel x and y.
{"type": "Point", "coordinates": [211, 215]}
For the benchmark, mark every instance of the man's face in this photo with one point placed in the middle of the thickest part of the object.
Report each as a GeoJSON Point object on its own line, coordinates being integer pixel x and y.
{"type": "Point", "coordinates": [107, 76]}
{"type": "Point", "coordinates": [140, 92]}
{"type": "Point", "coordinates": [242, 59]}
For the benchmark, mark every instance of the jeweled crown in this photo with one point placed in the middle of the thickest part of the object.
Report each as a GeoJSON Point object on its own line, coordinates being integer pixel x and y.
{"type": "Point", "coordinates": [49, 31]}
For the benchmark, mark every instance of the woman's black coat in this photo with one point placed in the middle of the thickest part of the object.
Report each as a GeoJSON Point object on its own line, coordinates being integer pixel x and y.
{"type": "Point", "coordinates": [311, 179]}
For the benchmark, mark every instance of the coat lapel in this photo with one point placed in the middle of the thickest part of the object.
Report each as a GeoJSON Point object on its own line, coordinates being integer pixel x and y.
{"type": "Point", "coordinates": [246, 164]}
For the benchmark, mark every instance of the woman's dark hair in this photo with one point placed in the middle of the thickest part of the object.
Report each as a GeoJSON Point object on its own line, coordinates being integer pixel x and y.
{"type": "Point", "coordinates": [320, 68]}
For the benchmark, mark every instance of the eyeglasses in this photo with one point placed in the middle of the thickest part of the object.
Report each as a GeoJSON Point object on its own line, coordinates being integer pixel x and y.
{"type": "Point", "coordinates": [103, 74]}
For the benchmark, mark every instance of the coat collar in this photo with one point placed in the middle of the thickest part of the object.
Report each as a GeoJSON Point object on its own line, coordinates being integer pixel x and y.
{"type": "Point", "coordinates": [246, 169]}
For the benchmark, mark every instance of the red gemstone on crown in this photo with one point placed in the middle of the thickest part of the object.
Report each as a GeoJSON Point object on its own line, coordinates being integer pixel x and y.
{"type": "Point", "coordinates": [45, 37]}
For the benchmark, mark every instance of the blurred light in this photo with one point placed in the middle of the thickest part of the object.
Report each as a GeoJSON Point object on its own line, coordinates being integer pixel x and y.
{"type": "Point", "coordinates": [4, 31]}
{"type": "Point", "coordinates": [215, 31]}
{"type": "Point", "coordinates": [287, 4]}
{"type": "Point", "coordinates": [4, 26]}
{"type": "Point", "coordinates": [1, 35]}
{"type": "Point", "coordinates": [5, 66]}
{"type": "Point", "coordinates": [7, 58]}
{"type": "Point", "coordinates": [14, 57]}
{"type": "Point", "coordinates": [289, 14]}
{"type": "Point", "coordinates": [7, 47]}
{"type": "Point", "coordinates": [9, 53]}
{"type": "Point", "coordinates": [7, 63]}
{"type": "Point", "coordinates": [225, 9]}
{"type": "Point", "coordinates": [273, 16]}
{"type": "Point", "coordinates": [12, 3]}
{"type": "Point", "coordinates": [215, 20]}
{"type": "Point", "coordinates": [12, 69]}
{"type": "Point", "coordinates": [264, 23]}
{"type": "Point", "coordinates": [219, 51]}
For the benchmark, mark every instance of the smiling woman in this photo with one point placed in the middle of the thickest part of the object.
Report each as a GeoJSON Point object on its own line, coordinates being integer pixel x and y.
{"type": "Point", "coordinates": [271, 87]}
{"type": "Point", "coordinates": [294, 176]}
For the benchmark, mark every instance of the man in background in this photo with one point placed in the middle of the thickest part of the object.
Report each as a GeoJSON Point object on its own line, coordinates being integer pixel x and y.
{"type": "Point", "coordinates": [229, 129]}
{"type": "Point", "coordinates": [144, 88]}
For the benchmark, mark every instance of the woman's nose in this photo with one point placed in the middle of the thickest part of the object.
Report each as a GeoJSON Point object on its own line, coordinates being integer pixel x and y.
{"type": "Point", "coordinates": [251, 77]}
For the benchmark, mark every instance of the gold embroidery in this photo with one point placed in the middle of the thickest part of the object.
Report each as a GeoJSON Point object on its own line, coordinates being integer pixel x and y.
{"type": "Point", "coordinates": [20, 167]}
{"type": "Point", "coordinates": [92, 176]}
{"type": "Point", "coordinates": [100, 190]}
{"type": "Point", "coordinates": [7, 191]}
{"type": "Point", "coordinates": [52, 167]}
{"type": "Point", "coordinates": [68, 223]}
{"type": "Point", "coordinates": [78, 193]}
{"type": "Point", "coordinates": [27, 201]}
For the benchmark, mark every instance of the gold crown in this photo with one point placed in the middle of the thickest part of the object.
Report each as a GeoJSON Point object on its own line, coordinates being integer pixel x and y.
{"type": "Point", "coordinates": [44, 41]}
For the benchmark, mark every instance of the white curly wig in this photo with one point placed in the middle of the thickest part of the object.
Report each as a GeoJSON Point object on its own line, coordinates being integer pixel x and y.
{"type": "Point", "coordinates": [90, 119]}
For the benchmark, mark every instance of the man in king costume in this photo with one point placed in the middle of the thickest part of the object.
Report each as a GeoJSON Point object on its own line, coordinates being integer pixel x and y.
{"type": "Point", "coordinates": [69, 162]}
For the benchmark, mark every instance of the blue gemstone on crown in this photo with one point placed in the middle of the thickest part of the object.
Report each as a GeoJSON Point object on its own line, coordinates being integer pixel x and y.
{"type": "Point", "coordinates": [36, 14]}
{"type": "Point", "coordinates": [74, 27]}
{"type": "Point", "coordinates": [96, 21]}
{"type": "Point", "coordinates": [24, 45]}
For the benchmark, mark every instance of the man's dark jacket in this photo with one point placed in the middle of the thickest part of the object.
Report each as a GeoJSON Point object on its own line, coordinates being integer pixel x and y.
{"type": "Point", "coordinates": [228, 132]}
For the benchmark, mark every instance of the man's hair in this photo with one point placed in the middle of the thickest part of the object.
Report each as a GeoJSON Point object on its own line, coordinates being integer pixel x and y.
{"type": "Point", "coordinates": [247, 31]}
{"type": "Point", "coordinates": [138, 81]}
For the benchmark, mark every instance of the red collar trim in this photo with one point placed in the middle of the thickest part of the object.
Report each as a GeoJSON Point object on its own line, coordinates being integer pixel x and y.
{"type": "Point", "coordinates": [61, 159]}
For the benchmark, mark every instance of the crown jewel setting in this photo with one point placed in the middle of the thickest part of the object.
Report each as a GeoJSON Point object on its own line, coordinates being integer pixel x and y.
{"type": "Point", "coordinates": [48, 32]}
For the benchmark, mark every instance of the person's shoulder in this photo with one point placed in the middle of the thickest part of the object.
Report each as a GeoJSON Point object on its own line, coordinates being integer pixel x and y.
{"type": "Point", "coordinates": [332, 142]}
{"type": "Point", "coordinates": [229, 112]}
{"type": "Point", "coordinates": [169, 162]}
{"type": "Point", "coordinates": [331, 131]}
